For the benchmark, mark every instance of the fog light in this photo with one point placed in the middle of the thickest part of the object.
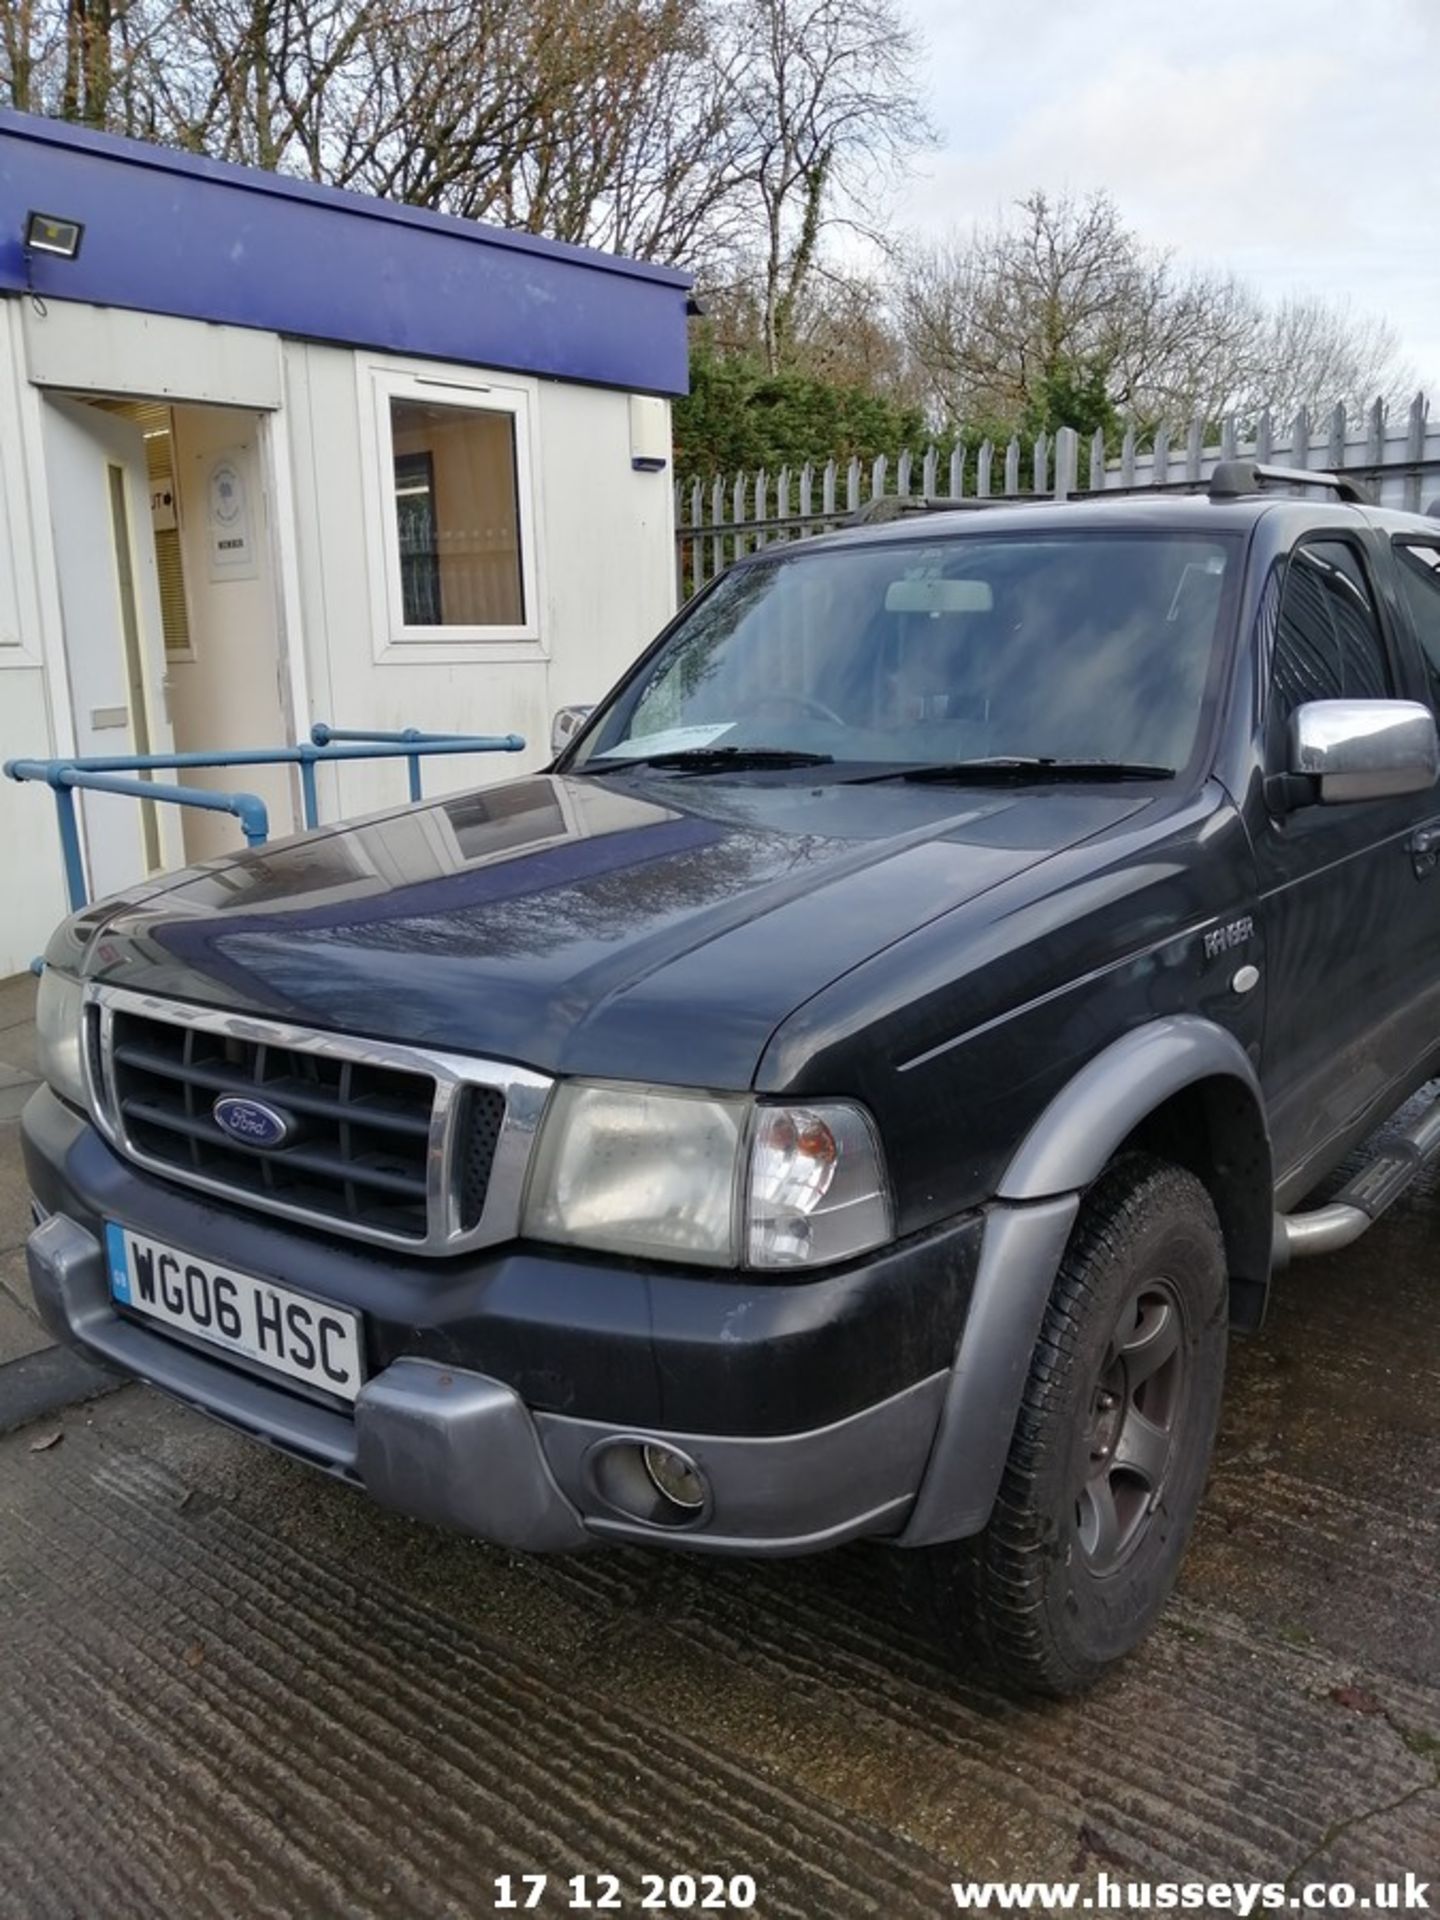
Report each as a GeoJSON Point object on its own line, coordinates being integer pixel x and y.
{"type": "Point", "coordinates": [675, 1478]}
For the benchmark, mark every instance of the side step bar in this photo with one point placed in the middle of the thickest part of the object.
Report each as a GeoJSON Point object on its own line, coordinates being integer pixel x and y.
{"type": "Point", "coordinates": [1360, 1203]}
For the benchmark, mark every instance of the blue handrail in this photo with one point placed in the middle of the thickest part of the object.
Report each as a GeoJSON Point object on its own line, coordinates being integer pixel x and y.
{"type": "Point", "coordinates": [410, 737]}
{"type": "Point", "coordinates": [107, 773]}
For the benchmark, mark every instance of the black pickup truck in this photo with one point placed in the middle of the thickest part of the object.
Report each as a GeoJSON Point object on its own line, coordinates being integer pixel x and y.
{"type": "Point", "coordinates": [852, 1093]}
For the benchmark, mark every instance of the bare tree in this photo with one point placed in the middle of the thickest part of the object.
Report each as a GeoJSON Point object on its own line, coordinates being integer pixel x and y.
{"type": "Point", "coordinates": [1065, 294]}
{"type": "Point", "coordinates": [825, 103]}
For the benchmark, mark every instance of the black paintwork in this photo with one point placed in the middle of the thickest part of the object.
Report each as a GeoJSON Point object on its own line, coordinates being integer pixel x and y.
{"type": "Point", "coordinates": [950, 955]}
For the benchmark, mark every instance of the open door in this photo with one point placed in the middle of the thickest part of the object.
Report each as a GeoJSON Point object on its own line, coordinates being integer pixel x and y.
{"type": "Point", "coordinates": [114, 638]}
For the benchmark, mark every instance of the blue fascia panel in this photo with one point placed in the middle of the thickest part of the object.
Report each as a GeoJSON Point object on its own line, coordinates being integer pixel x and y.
{"type": "Point", "coordinates": [172, 233]}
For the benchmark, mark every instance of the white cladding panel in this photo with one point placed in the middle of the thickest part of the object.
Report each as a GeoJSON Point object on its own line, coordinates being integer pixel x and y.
{"type": "Point", "coordinates": [32, 895]}
{"type": "Point", "coordinates": [604, 562]}
{"type": "Point", "coordinates": [110, 350]}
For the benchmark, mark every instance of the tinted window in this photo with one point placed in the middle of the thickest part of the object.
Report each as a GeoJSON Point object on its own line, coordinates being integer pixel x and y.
{"type": "Point", "coordinates": [1420, 583]}
{"type": "Point", "coordinates": [1077, 647]}
{"type": "Point", "coordinates": [1327, 643]}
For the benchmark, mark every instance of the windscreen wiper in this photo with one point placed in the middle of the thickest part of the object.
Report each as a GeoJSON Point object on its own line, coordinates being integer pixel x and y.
{"type": "Point", "coordinates": [712, 759]}
{"type": "Point", "coordinates": [1021, 768]}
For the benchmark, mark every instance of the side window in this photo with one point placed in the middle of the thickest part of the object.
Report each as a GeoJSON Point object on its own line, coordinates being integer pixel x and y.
{"type": "Point", "coordinates": [1419, 570]}
{"type": "Point", "coordinates": [1327, 642]}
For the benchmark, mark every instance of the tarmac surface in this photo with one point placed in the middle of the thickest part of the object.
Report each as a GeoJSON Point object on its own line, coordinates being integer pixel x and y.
{"type": "Point", "coordinates": [229, 1686]}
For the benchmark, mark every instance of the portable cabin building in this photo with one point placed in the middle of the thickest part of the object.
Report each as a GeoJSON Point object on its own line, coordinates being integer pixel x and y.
{"type": "Point", "coordinates": [272, 453]}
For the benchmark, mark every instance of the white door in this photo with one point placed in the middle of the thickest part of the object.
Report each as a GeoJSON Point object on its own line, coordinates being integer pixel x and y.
{"type": "Point", "coordinates": [114, 641]}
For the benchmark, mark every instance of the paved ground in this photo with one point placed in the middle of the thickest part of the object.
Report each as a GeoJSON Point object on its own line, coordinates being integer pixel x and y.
{"type": "Point", "coordinates": [228, 1686]}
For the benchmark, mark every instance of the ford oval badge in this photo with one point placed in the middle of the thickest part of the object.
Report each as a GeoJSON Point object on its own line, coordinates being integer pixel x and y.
{"type": "Point", "coordinates": [253, 1123]}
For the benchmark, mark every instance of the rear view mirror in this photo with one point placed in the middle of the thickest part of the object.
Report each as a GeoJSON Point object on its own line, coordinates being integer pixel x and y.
{"type": "Point", "coordinates": [925, 594]}
{"type": "Point", "coordinates": [1364, 749]}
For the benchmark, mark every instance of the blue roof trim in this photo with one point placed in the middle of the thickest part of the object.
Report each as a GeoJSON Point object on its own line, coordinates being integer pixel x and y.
{"type": "Point", "coordinates": [174, 233]}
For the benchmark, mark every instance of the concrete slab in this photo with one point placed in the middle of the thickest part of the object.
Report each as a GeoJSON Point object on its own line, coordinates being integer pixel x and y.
{"type": "Point", "coordinates": [14, 1189]}
{"type": "Point", "coordinates": [19, 1075]}
{"type": "Point", "coordinates": [17, 1001]}
{"type": "Point", "coordinates": [20, 1333]}
{"type": "Point", "coordinates": [15, 1280]}
{"type": "Point", "coordinates": [294, 1702]}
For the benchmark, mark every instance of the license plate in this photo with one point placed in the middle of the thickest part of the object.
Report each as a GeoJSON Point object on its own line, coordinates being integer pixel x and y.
{"type": "Point", "coordinates": [286, 1332]}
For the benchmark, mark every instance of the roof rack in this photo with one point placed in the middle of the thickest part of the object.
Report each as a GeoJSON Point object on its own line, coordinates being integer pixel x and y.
{"type": "Point", "coordinates": [890, 507]}
{"type": "Point", "coordinates": [1232, 478]}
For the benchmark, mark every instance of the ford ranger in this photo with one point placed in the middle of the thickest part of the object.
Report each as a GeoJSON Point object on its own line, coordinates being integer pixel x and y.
{"type": "Point", "coordinates": [851, 1094]}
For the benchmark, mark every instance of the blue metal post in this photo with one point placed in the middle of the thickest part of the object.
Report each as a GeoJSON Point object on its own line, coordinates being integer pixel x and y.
{"type": "Point", "coordinates": [413, 733]}
{"type": "Point", "coordinates": [75, 889]}
{"type": "Point", "coordinates": [309, 794]}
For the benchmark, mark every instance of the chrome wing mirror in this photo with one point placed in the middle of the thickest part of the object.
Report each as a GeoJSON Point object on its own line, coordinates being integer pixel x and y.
{"type": "Point", "coordinates": [567, 723]}
{"type": "Point", "coordinates": [1364, 749]}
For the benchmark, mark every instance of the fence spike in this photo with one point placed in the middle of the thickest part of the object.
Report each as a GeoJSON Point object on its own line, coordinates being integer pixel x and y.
{"type": "Point", "coordinates": [930, 471]}
{"type": "Point", "coordinates": [1415, 450]}
{"type": "Point", "coordinates": [738, 513]}
{"type": "Point", "coordinates": [782, 495]}
{"type": "Point", "coordinates": [878, 468]}
{"type": "Point", "coordinates": [827, 487]}
{"type": "Point", "coordinates": [807, 489]}
{"type": "Point", "coordinates": [1265, 437]}
{"type": "Point", "coordinates": [1375, 439]}
{"type": "Point", "coordinates": [717, 515]}
{"type": "Point", "coordinates": [1067, 462]}
{"type": "Point", "coordinates": [1194, 448]}
{"type": "Point", "coordinates": [1160, 459]}
{"type": "Point", "coordinates": [957, 471]}
{"type": "Point", "coordinates": [852, 484]}
{"type": "Point", "coordinates": [1335, 452]}
{"type": "Point", "coordinates": [902, 473]}
{"type": "Point", "coordinates": [1127, 458]}
{"type": "Point", "coordinates": [1012, 466]}
{"type": "Point", "coordinates": [697, 538]}
{"type": "Point", "coordinates": [1300, 439]}
{"type": "Point", "coordinates": [1097, 460]}
{"type": "Point", "coordinates": [983, 461]}
{"type": "Point", "coordinates": [762, 505]}
{"type": "Point", "coordinates": [1041, 467]}
{"type": "Point", "coordinates": [1227, 437]}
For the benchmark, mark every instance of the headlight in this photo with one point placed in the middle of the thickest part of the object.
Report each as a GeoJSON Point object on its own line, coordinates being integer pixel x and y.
{"type": "Point", "coordinates": [636, 1170]}
{"type": "Point", "coordinates": [714, 1179]}
{"type": "Point", "coordinates": [58, 1015]}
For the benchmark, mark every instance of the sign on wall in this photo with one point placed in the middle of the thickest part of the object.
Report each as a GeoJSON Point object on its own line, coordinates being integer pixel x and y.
{"type": "Point", "coordinates": [231, 532]}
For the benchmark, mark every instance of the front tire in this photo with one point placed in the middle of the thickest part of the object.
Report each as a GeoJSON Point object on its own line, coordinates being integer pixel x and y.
{"type": "Point", "coordinates": [1113, 1442]}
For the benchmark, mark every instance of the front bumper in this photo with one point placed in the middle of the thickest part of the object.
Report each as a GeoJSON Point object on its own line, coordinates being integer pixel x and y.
{"type": "Point", "coordinates": [440, 1433]}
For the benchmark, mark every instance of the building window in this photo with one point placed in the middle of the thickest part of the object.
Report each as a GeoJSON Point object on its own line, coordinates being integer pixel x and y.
{"type": "Point", "coordinates": [459, 558]}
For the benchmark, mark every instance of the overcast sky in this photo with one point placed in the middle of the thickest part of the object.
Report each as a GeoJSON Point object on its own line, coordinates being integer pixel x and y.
{"type": "Point", "coordinates": [1297, 141]}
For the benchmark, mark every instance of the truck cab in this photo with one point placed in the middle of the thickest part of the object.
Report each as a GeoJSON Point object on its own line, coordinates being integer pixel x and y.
{"type": "Point", "coordinates": [853, 1093]}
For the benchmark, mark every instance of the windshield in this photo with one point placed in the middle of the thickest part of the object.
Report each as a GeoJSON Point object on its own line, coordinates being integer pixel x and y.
{"type": "Point", "coordinates": [1073, 647]}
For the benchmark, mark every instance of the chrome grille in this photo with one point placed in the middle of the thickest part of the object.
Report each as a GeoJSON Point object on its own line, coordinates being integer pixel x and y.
{"type": "Point", "coordinates": [396, 1144]}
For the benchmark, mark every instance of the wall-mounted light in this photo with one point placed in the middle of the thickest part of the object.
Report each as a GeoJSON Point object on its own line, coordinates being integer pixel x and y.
{"type": "Point", "coordinates": [53, 234]}
{"type": "Point", "coordinates": [649, 434]}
